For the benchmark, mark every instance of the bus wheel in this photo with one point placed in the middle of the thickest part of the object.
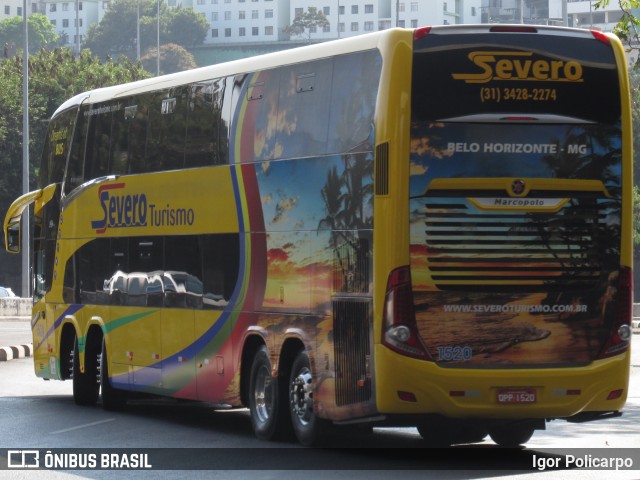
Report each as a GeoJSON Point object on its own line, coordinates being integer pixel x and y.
{"type": "Point", "coordinates": [112, 398]}
{"type": "Point", "coordinates": [511, 435]}
{"type": "Point", "coordinates": [85, 385]}
{"type": "Point", "coordinates": [263, 397]}
{"type": "Point", "coordinates": [309, 429]}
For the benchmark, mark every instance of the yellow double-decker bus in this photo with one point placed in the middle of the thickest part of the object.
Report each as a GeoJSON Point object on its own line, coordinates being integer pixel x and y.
{"type": "Point", "coordinates": [426, 227]}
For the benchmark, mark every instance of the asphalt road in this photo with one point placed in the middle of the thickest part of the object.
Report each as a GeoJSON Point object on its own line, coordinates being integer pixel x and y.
{"type": "Point", "coordinates": [15, 332]}
{"type": "Point", "coordinates": [35, 414]}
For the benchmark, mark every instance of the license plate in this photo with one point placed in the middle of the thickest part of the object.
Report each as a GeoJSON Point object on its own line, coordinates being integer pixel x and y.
{"type": "Point", "coordinates": [507, 396]}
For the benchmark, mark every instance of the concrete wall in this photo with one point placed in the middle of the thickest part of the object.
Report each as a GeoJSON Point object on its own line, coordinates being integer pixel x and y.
{"type": "Point", "coordinates": [15, 307]}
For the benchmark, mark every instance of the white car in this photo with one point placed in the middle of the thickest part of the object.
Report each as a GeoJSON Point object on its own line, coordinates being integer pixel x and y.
{"type": "Point", "coordinates": [6, 292]}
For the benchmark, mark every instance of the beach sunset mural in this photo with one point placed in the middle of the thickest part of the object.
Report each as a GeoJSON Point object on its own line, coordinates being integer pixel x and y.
{"type": "Point", "coordinates": [487, 264]}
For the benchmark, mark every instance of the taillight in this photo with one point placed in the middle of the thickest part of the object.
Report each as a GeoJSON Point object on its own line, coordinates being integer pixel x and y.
{"type": "Point", "coordinates": [400, 332]}
{"type": "Point", "coordinates": [419, 33]}
{"type": "Point", "coordinates": [617, 313]}
{"type": "Point", "coordinates": [513, 29]}
{"type": "Point", "coordinates": [519, 118]}
{"type": "Point", "coordinates": [600, 36]}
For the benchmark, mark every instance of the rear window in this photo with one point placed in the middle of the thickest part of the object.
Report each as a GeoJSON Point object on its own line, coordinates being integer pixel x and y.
{"type": "Point", "coordinates": [457, 75]}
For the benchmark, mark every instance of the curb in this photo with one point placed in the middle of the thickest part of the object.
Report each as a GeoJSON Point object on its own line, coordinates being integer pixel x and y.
{"type": "Point", "coordinates": [17, 351]}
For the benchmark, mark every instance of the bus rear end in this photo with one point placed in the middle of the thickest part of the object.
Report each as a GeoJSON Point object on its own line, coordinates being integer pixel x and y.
{"type": "Point", "coordinates": [515, 305]}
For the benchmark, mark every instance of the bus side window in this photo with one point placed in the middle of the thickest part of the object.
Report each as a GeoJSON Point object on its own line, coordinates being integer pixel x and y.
{"type": "Point", "coordinates": [166, 134]}
{"type": "Point", "coordinates": [98, 145]}
{"type": "Point", "coordinates": [204, 124]}
{"type": "Point", "coordinates": [69, 290]}
{"type": "Point", "coordinates": [182, 272]}
{"type": "Point", "coordinates": [114, 281]}
{"type": "Point", "coordinates": [262, 97]}
{"type": "Point", "coordinates": [221, 259]}
{"type": "Point", "coordinates": [74, 174]}
{"type": "Point", "coordinates": [136, 136]}
{"type": "Point", "coordinates": [146, 254]}
{"type": "Point", "coordinates": [303, 109]}
{"type": "Point", "coordinates": [85, 274]}
{"type": "Point", "coordinates": [355, 87]}
{"type": "Point", "coordinates": [120, 137]}
{"type": "Point", "coordinates": [56, 147]}
{"type": "Point", "coordinates": [174, 112]}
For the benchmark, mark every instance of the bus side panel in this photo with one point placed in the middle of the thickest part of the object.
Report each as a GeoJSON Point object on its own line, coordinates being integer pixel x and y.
{"type": "Point", "coordinates": [316, 210]}
{"type": "Point", "coordinates": [38, 329]}
{"type": "Point", "coordinates": [391, 232]}
{"type": "Point", "coordinates": [43, 340]}
{"type": "Point", "coordinates": [126, 225]}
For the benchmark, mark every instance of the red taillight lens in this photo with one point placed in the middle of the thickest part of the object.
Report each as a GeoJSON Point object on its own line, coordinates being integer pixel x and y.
{"type": "Point", "coordinates": [519, 119]}
{"type": "Point", "coordinates": [615, 394]}
{"type": "Point", "coordinates": [617, 314]}
{"type": "Point", "coordinates": [600, 36]}
{"type": "Point", "coordinates": [400, 332]}
{"type": "Point", "coordinates": [513, 29]}
{"type": "Point", "coordinates": [419, 33]}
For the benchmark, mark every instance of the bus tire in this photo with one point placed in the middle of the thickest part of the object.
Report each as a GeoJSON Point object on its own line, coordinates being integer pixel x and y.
{"type": "Point", "coordinates": [264, 401]}
{"type": "Point", "coordinates": [85, 385]}
{"type": "Point", "coordinates": [308, 428]}
{"type": "Point", "coordinates": [112, 398]}
{"type": "Point", "coordinates": [511, 435]}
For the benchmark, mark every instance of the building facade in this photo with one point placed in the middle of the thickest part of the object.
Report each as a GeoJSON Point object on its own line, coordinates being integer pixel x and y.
{"type": "Point", "coordinates": [581, 14]}
{"type": "Point", "coordinates": [251, 21]}
{"type": "Point", "coordinates": [244, 21]}
{"type": "Point", "coordinates": [572, 13]}
{"type": "Point", "coordinates": [70, 18]}
{"type": "Point", "coordinates": [13, 8]}
{"type": "Point", "coordinates": [264, 21]}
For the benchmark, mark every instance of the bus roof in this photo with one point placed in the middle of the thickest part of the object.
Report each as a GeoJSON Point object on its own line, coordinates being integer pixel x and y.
{"type": "Point", "coordinates": [297, 55]}
{"type": "Point", "coordinates": [246, 65]}
{"type": "Point", "coordinates": [512, 28]}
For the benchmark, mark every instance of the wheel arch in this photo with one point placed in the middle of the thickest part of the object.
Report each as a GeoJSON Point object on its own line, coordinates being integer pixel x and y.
{"type": "Point", "coordinates": [250, 347]}
{"type": "Point", "coordinates": [290, 348]}
{"type": "Point", "coordinates": [68, 335]}
{"type": "Point", "coordinates": [93, 340]}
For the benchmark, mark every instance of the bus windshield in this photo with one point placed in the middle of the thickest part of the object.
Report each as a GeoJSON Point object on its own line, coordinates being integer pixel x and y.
{"type": "Point", "coordinates": [527, 75]}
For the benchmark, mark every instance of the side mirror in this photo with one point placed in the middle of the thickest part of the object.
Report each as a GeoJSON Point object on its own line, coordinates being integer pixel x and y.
{"type": "Point", "coordinates": [13, 238]}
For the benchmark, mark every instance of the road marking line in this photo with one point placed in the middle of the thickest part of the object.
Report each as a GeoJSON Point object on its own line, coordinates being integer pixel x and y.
{"type": "Point", "coordinates": [86, 425]}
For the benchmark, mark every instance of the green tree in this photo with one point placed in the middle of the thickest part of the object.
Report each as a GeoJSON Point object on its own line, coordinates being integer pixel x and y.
{"type": "Point", "coordinates": [186, 27]}
{"type": "Point", "coordinates": [173, 58]}
{"type": "Point", "coordinates": [41, 33]}
{"type": "Point", "coordinates": [306, 23]}
{"type": "Point", "coordinates": [117, 32]}
{"type": "Point", "coordinates": [629, 25]}
{"type": "Point", "coordinates": [54, 76]}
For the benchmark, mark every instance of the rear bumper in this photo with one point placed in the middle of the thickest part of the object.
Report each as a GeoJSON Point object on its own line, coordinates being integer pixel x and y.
{"type": "Point", "coordinates": [472, 393]}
